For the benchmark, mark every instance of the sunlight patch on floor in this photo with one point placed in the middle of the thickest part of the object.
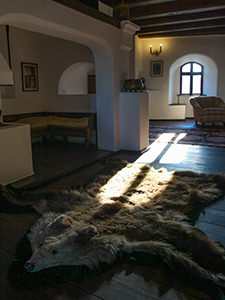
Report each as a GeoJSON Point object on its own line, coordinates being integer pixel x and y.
{"type": "Point", "coordinates": [179, 137]}
{"type": "Point", "coordinates": [175, 154]}
{"type": "Point", "coordinates": [111, 190]}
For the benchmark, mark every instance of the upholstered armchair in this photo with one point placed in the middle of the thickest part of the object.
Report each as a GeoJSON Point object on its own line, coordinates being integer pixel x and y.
{"type": "Point", "coordinates": [208, 109]}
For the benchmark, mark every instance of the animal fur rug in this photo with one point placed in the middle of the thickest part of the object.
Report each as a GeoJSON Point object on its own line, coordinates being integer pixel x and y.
{"type": "Point", "coordinates": [131, 209]}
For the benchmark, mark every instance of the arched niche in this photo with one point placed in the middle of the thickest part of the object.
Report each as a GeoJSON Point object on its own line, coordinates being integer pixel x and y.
{"type": "Point", "coordinates": [210, 75]}
{"type": "Point", "coordinates": [74, 80]}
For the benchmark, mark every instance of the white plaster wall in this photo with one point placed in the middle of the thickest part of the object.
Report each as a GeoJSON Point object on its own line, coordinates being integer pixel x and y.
{"type": "Point", "coordinates": [74, 80]}
{"type": "Point", "coordinates": [6, 76]}
{"type": "Point", "coordinates": [212, 47]}
{"type": "Point", "coordinates": [25, 47]}
{"type": "Point", "coordinates": [138, 58]}
{"type": "Point", "coordinates": [51, 18]}
{"type": "Point", "coordinates": [125, 62]}
{"type": "Point", "coordinates": [58, 55]}
{"type": "Point", "coordinates": [53, 56]}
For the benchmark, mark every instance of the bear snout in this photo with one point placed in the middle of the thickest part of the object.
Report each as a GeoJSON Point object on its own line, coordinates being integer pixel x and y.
{"type": "Point", "coordinates": [29, 266]}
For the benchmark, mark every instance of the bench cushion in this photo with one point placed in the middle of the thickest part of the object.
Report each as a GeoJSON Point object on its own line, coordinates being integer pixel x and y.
{"type": "Point", "coordinates": [69, 122]}
{"type": "Point", "coordinates": [36, 122]}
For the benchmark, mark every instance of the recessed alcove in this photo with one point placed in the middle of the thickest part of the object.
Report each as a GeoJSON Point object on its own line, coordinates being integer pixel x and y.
{"type": "Point", "coordinates": [74, 80]}
{"type": "Point", "coordinates": [209, 80]}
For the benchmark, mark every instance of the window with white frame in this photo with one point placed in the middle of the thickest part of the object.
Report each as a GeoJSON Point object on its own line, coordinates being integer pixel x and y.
{"type": "Point", "coordinates": [191, 79]}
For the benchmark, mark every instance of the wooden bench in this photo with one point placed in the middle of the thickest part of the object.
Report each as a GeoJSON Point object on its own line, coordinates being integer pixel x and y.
{"type": "Point", "coordinates": [65, 124]}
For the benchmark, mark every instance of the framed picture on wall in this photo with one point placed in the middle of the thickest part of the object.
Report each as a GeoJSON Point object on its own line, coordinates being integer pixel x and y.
{"type": "Point", "coordinates": [156, 68]}
{"type": "Point", "coordinates": [29, 77]}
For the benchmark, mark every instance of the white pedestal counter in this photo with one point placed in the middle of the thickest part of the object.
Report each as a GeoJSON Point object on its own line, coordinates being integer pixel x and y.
{"type": "Point", "coordinates": [15, 152]}
{"type": "Point", "coordinates": [134, 123]}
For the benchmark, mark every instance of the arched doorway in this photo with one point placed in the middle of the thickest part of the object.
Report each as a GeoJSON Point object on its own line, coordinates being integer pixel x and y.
{"type": "Point", "coordinates": [105, 50]}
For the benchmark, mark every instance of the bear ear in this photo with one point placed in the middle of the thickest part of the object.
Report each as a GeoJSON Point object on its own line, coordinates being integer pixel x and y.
{"type": "Point", "coordinates": [61, 222]}
{"type": "Point", "coordinates": [87, 233]}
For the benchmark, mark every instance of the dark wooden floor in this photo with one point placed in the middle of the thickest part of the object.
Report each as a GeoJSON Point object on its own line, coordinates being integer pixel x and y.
{"type": "Point", "coordinates": [122, 282]}
{"type": "Point", "coordinates": [55, 160]}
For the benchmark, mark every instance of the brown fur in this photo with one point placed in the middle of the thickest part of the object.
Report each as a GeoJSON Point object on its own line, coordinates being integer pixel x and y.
{"type": "Point", "coordinates": [107, 209]}
{"type": "Point", "coordinates": [142, 204]}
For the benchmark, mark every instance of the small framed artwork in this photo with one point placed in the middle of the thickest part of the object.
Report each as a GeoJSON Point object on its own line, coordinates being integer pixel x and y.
{"type": "Point", "coordinates": [29, 77]}
{"type": "Point", "coordinates": [156, 68]}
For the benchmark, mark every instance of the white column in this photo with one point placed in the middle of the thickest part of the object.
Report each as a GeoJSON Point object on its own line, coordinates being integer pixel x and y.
{"type": "Point", "coordinates": [134, 123]}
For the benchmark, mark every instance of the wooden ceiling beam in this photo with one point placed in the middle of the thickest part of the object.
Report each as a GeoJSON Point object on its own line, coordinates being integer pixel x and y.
{"type": "Point", "coordinates": [138, 2]}
{"type": "Point", "coordinates": [181, 26]}
{"type": "Point", "coordinates": [193, 32]}
{"type": "Point", "coordinates": [174, 7]}
{"type": "Point", "coordinates": [183, 17]}
{"type": "Point", "coordinates": [85, 9]}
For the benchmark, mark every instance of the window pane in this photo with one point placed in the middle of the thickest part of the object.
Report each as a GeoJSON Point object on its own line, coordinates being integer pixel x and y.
{"type": "Point", "coordinates": [196, 88]}
{"type": "Point", "coordinates": [186, 68]}
{"type": "Point", "coordinates": [197, 68]}
{"type": "Point", "coordinates": [185, 84]}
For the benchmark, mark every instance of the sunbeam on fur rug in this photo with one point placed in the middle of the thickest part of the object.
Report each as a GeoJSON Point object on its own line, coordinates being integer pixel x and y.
{"type": "Point", "coordinates": [131, 212]}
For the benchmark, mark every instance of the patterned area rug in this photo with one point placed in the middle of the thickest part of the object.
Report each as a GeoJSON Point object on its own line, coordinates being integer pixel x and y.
{"type": "Point", "coordinates": [193, 136]}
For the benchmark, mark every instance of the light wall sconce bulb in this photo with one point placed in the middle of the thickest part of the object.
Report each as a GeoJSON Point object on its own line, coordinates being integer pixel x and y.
{"type": "Point", "coordinates": [156, 52]}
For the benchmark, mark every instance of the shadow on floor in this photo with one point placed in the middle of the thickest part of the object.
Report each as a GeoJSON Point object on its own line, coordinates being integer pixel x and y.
{"type": "Point", "coordinates": [55, 160]}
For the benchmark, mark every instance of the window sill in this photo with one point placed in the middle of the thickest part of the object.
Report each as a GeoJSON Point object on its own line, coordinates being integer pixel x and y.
{"type": "Point", "coordinates": [191, 95]}
{"type": "Point", "coordinates": [171, 104]}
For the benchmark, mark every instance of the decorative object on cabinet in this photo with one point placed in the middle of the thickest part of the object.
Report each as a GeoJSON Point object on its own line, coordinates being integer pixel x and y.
{"type": "Point", "coordinates": [131, 85]}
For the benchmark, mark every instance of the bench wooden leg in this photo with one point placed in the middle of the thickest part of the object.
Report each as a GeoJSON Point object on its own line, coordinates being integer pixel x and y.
{"type": "Point", "coordinates": [87, 140]}
{"type": "Point", "coordinates": [44, 139]}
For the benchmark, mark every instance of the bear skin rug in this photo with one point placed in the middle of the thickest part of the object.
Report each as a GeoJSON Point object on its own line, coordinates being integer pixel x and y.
{"type": "Point", "coordinates": [133, 208]}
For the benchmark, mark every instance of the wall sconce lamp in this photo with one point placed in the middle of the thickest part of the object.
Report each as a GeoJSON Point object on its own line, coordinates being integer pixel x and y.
{"type": "Point", "coordinates": [156, 52]}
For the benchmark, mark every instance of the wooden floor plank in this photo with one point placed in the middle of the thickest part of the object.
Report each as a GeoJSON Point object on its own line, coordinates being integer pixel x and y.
{"type": "Point", "coordinates": [56, 160]}
{"type": "Point", "coordinates": [60, 290]}
{"type": "Point", "coordinates": [210, 227]}
{"type": "Point", "coordinates": [200, 159]}
{"type": "Point", "coordinates": [219, 205]}
{"type": "Point", "coordinates": [215, 232]}
{"type": "Point", "coordinates": [9, 235]}
{"type": "Point", "coordinates": [75, 179]}
{"type": "Point", "coordinates": [133, 282]}
{"type": "Point", "coordinates": [23, 220]}
{"type": "Point", "coordinates": [213, 216]}
{"type": "Point", "coordinates": [215, 236]}
{"type": "Point", "coordinates": [5, 261]}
